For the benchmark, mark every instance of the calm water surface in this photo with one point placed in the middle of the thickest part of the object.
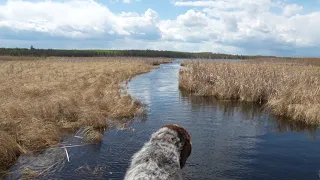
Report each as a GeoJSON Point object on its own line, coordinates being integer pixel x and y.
{"type": "Point", "coordinates": [230, 140]}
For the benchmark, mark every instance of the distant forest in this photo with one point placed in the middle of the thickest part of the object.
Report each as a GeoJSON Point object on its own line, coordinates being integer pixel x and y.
{"type": "Point", "coordinates": [111, 53]}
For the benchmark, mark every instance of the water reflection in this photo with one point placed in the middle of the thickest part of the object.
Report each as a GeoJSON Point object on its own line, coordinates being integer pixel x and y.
{"type": "Point", "coordinates": [286, 125]}
{"type": "Point", "coordinates": [250, 111]}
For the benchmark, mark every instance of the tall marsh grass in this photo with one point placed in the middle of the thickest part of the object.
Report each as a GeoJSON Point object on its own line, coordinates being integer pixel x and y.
{"type": "Point", "coordinates": [290, 90]}
{"type": "Point", "coordinates": [42, 99]}
{"type": "Point", "coordinates": [289, 61]}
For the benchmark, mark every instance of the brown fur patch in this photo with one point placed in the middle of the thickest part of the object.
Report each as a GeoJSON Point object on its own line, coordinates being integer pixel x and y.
{"type": "Point", "coordinates": [184, 136]}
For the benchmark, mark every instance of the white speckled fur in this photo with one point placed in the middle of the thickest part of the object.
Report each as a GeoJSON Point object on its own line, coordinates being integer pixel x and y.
{"type": "Point", "coordinates": [158, 158]}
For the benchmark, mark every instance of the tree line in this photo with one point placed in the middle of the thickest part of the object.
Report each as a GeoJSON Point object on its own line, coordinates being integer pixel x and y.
{"type": "Point", "coordinates": [110, 53]}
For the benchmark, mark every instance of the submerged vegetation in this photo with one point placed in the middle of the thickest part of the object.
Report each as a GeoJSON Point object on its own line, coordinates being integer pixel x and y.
{"type": "Point", "coordinates": [289, 88]}
{"type": "Point", "coordinates": [42, 99]}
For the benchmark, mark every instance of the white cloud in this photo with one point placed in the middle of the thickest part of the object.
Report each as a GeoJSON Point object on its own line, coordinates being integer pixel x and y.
{"type": "Point", "coordinates": [251, 5]}
{"type": "Point", "coordinates": [192, 18]}
{"type": "Point", "coordinates": [124, 1]}
{"type": "Point", "coordinates": [248, 23]}
{"type": "Point", "coordinates": [190, 27]}
{"type": "Point", "coordinates": [73, 18]}
{"type": "Point", "coordinates": [230, 26]}
{"type": "Point", "coordinates": [291, 9]}
{"type": "Point", "coordinates": [140, 25]}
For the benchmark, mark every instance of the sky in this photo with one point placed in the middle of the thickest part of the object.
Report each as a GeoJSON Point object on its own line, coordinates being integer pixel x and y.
{"type": "Point", "coordinates": [248, 27]}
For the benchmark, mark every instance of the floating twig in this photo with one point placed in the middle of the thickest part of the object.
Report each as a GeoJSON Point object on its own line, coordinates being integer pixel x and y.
{"type": "Point", "coordinates": [71, 146]}
{"type": "Point", "coordinates": [79, 137]}
{"type": "Point", "coordinates": [65, 149]}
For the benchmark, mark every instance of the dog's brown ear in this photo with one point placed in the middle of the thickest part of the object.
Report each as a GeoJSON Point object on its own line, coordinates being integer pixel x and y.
{"type": "Point", "coordinates": [185, 138]}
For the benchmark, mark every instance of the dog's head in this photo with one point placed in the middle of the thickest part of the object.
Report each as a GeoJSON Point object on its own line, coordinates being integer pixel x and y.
{"type": "Point", "coordinates": [184, 137]}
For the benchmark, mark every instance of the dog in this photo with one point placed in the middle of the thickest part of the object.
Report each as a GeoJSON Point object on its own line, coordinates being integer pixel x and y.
{"type": "Point", "coordinates": [163, 156]}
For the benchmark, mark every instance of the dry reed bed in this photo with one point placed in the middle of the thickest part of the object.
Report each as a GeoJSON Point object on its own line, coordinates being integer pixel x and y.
{"type": "Point", "coordinates": [288, 61]}
{"type": "Point", "coordinates": [288, 90]}
{"type": "Point", "coordinates": [19, 58]}
{"type": "Point", "coordinates": [41, 99]}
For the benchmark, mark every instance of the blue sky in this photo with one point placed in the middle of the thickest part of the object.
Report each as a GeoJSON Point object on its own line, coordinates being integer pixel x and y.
{"type": "Point", "coordinates": [264, 27]}
{"type": "Point", "coordinates": [164, 8]}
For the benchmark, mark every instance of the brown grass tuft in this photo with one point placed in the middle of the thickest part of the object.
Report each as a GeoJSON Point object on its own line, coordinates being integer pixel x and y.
{"type": "Point", "coordinates": [92, 135]}
{"type": "Point", "coordinates": [9, 150]}
{"type": "Point", "coordinates": [291, 90]}
{"type": "Point", "coordinates": [42, 99]}
{"type": "Point", "coordinates": [28, 173]}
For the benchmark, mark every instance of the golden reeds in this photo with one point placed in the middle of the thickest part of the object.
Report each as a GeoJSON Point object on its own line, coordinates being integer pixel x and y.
{"type": "Point", "coordinates": [288, 61]}
{"type": "Point", "coordinates": [42, 99]}
{"type": "Point", "coordinates": [291, 90]}
{"type": "Point", "coordinates": [92, 135]}
{"type": "Point", "coordinates": [9, 150]}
